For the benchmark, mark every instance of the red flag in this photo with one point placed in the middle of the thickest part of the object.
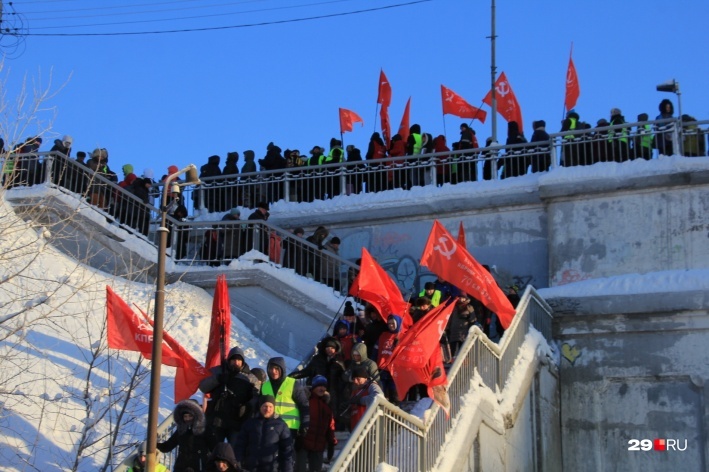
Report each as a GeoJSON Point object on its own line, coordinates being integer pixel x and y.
{"type": "Point", "coordinates": [373, 284]}
{"type": "Point", "coordinates": [347, 119]}
{"type": "Point", "coordinates": [384, 96]}
{"type": "Point", "coordinates": [189, 374]}
{"type": "Point", "coordinates": [386, 125]}
{"type": "Point", "coordinates": [220, 328]}
{"type": "Point", "coordinates": [445, 258]}
{"type": "Point", "coordinates": [507, 104]}
{"type": "Point", "coordinates": [453, 104]}
{"type": "Point", "coordinates": [573, 90]}
{"type": "Point", "coordinates": [127, 331]}
{"type": "Point", "coordinates": [461, 235]}
{"type": "Point", "coordinates": [417, 357]}
{"type": "Point", "coordinates": [404, 126]}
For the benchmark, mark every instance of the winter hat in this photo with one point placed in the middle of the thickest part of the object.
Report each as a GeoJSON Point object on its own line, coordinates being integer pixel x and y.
{"type": "Point", "coordinates": [331, 343]}
{"type": "Point", "coordinates": [319, 381]}
{"type": "Point", "coordinates": [263, 204]}
{"type": "Point", "coordinates": [67, 140]}
{"type": "Point", "coordinates": [127, 169]}
{"type": "Point", "coordinates": [148, 174]}
{"type": "Point", "coordinates": [335, 240]}
{"type": "Point", "coordinates": [249, 155]}
{"type": "Point", "coordinates": [615, 111]}
{"type": "Point", "coordinates": [539, 124]}
{"type": "Point", "coordinates": [266, 399]}
{"type": "Point", "coordinates": [360, 372]}
{"type": "Point", "coordinates": [260, 374]}
{"type": "Point", "coordinates": [235, 212]}
{"type": "Point", "coordinates": [172, 170]}
{"type": "Point", "coordinates": [232, 156]}
{"type": "Point", "coordinates": [642, 117]}
{"type": "Point", "coordinates": [300, 231]}
{"type": "Point", "coordinates": [235, 352]}
{"type": "Point", "coordinates": [349, 309]}
{"type": "Point", "coordinates": [602, 122]}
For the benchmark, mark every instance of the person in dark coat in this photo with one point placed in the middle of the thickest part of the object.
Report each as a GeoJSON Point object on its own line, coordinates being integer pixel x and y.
{"type": "Point", "coordinates": [461, 320]}
{"type": "Point", "coordinates": [222, 459]}
{"type": "Point", "coordinates": [189, 438]}
{"type": "Point", "coordinates": [618, 137]}
{"type": "Point", "coordinates": [516, 159]}
{"type": "Point", "coordinates": [231, 389]}
{"type": "Point", "coordinates": [230, 168]}
{"type": "Point", "coordinates": [467, 166]}
{"type": "Point", "coordinates": [264, 444]}
{"type": "Point", "coordinates": [234, 236]}
{"type": "Point", "coordinates": [664, 138]}
{"type": "Point", "coordinates": [541, 159]}
{"type": "Point", "coordinates": [136, 215]}
{"type": "Point", "coordinates": [213, 191]}
{"type": "Point", "coordinates": [258, 237]}
{"type": "Point", "coordinates": [273, 161]}
{"type": "Point", "coordinates": [364, 391]}
{"type": "Point", "coordinates": [321, 433]}
{"type": "Point", "coordinates": [313, 260]}
{"type": "Point", "coordinates": [293, 249]}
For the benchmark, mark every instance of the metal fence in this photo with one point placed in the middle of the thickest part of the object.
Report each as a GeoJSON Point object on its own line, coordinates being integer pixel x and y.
{"type": "Point", "coordinates": [387, 434]}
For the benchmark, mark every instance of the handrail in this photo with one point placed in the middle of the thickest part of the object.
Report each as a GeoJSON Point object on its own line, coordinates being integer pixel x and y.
{"type": "Point", "coordinates": [388, 434]}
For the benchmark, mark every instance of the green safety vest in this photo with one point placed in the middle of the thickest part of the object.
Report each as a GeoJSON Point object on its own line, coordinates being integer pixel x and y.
{"type": "Point", "coordinates": [646, 139]}
{"type": "Point", "coordinates": [623, 135]}
{"type": "Point", "coordinates": [329, 159]}
{"type": "Point", "coordinates": [418, 143]}
{"type": "Point", "coordinates": [571, 128]}
{"type": "Point", "coordinates": [435, 298]}
{"type": "Point", "coordinates": [9, 165]}
{"type": "Point", "coordinates": [285, 405]}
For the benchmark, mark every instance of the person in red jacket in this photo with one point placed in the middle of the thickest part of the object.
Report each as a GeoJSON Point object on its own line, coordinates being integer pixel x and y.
{"type": "Point", "coordinates": [383, 351]}
{"type": "Point", "coordinates": [397, 176]}
{"type": "Point", "coordinates": [321, 432]}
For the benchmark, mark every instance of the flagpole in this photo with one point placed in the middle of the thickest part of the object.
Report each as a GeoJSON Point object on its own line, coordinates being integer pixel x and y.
{"type": "Point", "coordinates": [493, 72]}
{"type": "Point", "coordinates": [376, 111]}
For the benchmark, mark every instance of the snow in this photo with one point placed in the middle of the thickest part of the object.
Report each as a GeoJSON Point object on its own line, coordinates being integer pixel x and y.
{"type": "Point", "coordinates": [53, 312]}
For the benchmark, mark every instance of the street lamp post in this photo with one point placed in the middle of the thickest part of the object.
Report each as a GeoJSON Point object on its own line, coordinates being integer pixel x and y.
{"type": "Point", "coordinates": [154, 402]}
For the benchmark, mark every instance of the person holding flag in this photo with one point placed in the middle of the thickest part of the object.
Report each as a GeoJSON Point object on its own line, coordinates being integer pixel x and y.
{"type": "Point", "coordinates": [364, 391]}
{"type": "Point", "coordinates": [383, 351]}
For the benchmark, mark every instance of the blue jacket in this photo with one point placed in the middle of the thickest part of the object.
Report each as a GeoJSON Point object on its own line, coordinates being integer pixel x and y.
{"type": "Point", "coordinates": [264, 445]}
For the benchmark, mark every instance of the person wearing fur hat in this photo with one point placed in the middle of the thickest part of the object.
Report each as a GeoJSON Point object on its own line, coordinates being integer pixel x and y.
{"type": "Point", "coordinates": [321, 433]}
{"type": "Point", "coordinates": [189, 437]}
{"type": "Point", "coordinates": [265, 444]}
{"type": "Point", "coordinates": [222, 459]}
{"type": "Point", "coordinates": [291, 404]}
{"type": "Point", "coordinates": [231, 388]}
{"type": "Point", "coordinates": [364, 391]}
{"type": "Point", "coordinates": [665, 143]}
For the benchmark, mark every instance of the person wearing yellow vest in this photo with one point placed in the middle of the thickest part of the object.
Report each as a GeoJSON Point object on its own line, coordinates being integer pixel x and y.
{"type": "Point", "coordinates": [140, 460]}
{"type": "Point", "coordinates": [618, 138]}
{"type": "Point", "coordinates": [429, 290]}
{"type": "Point", "coordinates": [644, 139]}
{"type": "Point", "coordinates": [571, 148]}
{"type": "Point", "coordinates": [414, 145]}
{"type": "Point", "coordinates": [292, 405]}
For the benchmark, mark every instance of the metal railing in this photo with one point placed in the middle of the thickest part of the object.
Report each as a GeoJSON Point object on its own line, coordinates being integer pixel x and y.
{"type": "Point", "coordinates": [388, 434]}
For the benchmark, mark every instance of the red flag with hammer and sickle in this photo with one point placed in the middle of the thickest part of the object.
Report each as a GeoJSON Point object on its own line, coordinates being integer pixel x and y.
{"type": "Point", "coordinates": [507, 104]}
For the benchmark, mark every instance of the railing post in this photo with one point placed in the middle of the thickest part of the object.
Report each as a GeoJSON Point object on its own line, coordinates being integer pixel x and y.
{"type": "Point", "coordinates": [553, 154]}
{"type": "Point", "coordinates": [677, 136]}
{"type": "Point", "coordinates": [432, 171]}
{"type": "Point", "coordinates": [286, 185]}
{"type": "Point", "coordinates": [48, 164]}
{"type": "Point", "coordinates": [343, 181]}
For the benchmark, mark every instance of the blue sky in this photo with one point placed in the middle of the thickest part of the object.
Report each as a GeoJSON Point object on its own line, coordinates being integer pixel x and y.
{"type": "Point", "coordinates": [158, 99]}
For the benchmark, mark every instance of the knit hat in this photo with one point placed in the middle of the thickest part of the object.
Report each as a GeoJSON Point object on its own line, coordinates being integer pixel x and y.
{"type": "Point", "coordinates": [235, 212]}
{"type": "Point", "coordinates": [299, 231]}
{"type": "Point", "coordinates": [148, 174]}
{"type": "Point", "coordinates": [331, 343]}
{"type": "Point", "coordinates": [319, 381]}
{"type": "Point", "coordinates": [172, 170]}
{"type": "Point", "coordinates": [266, 399]}
{"type": "Point", "coordinates": [348, 310]}
{"type": "Point", "coordinates": [615, 111]}
{"type": "Point", "coordinates": [263, 204]}
{"type": "Point", "coordinates": [67, 140]}
{"type": "Point", "coordinates": [127, 169]}
{"type": "Point", "coordinates": [260, 374]}
{"type": "Point", "coordinates": [360, 372]}
{"type": "Point", "coordinates": [335, 240]}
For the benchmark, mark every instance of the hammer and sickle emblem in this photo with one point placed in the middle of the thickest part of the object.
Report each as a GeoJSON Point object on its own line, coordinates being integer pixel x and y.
{"type": "Point", "coordinates": [443, 247]}
{"type": "Point", "coordinates": [569, 77]}
{"type": "Point", "coordinates": [503, 88]}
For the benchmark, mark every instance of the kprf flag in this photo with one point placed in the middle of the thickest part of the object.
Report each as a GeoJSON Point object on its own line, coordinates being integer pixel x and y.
{"type": "Point", "coordinates": [417, 357]}
{"type": "Point", "coordinates": [453, 263]}
{"type": "Point", "coordinates": [404, 126]}
{"type": "Point", "coordinates": [128, 331]}
{"type": "Point", "coordinates": [507, 105]}
{"type": "Point", "coordinates": [384, 95]}
{"type": "Point", "coordinates": [374, 285]}
{"type": "Point", "coordinates": [220, 327]}
{"type": "Point", "coordinates": [454, 104]}
{"type": "Point", "coordinates": [347, 119]}
{"type": "Point", "coordinates": [573, 90]}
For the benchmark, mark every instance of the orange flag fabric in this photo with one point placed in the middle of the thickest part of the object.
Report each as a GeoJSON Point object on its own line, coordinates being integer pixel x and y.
{"type": "Point", "coordinates": [404, 126]}
{"type": "Point", "coordinates": [220, 327]}
{"type": "Point", "coordinates": [573, 90]}
{"type": "Point", "coordinates": [453, 263]}
{"type": "Point", "coordinates": [347, 119]}
{"type": "Point", "coordinates": [386, 125]}
{"type": "Point", "coordinates": [384, 95]}
{"type": "Point", "coordinates": [454, 104]}
{"type": "Point", "coordinates": [373, 284]}
{"type": "Point", "coordinates": [507, 104]}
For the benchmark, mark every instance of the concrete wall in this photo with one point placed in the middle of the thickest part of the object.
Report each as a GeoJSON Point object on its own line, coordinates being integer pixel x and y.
{"type": "Point", "coordinates": [638, 375]}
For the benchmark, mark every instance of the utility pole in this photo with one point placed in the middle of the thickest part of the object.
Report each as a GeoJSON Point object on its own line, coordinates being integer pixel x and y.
{"type": "Point", "coordinates": [493, 73]}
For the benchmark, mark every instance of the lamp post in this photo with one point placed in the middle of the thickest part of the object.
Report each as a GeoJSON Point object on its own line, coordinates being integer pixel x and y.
{"type": "Point", "coordinates": [154, 402]}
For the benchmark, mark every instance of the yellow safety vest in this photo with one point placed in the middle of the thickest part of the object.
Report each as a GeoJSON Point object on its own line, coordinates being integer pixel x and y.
{"type": "Point", "coordinates": [285, 405]}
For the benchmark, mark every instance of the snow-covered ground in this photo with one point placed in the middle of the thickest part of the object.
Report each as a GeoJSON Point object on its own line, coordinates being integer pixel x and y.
{"type": "Point", "coordinates": [63, 393]}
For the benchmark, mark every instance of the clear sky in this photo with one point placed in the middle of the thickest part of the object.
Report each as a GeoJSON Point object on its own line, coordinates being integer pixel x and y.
{"type": "Point", "coordinates": [176, 98]}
